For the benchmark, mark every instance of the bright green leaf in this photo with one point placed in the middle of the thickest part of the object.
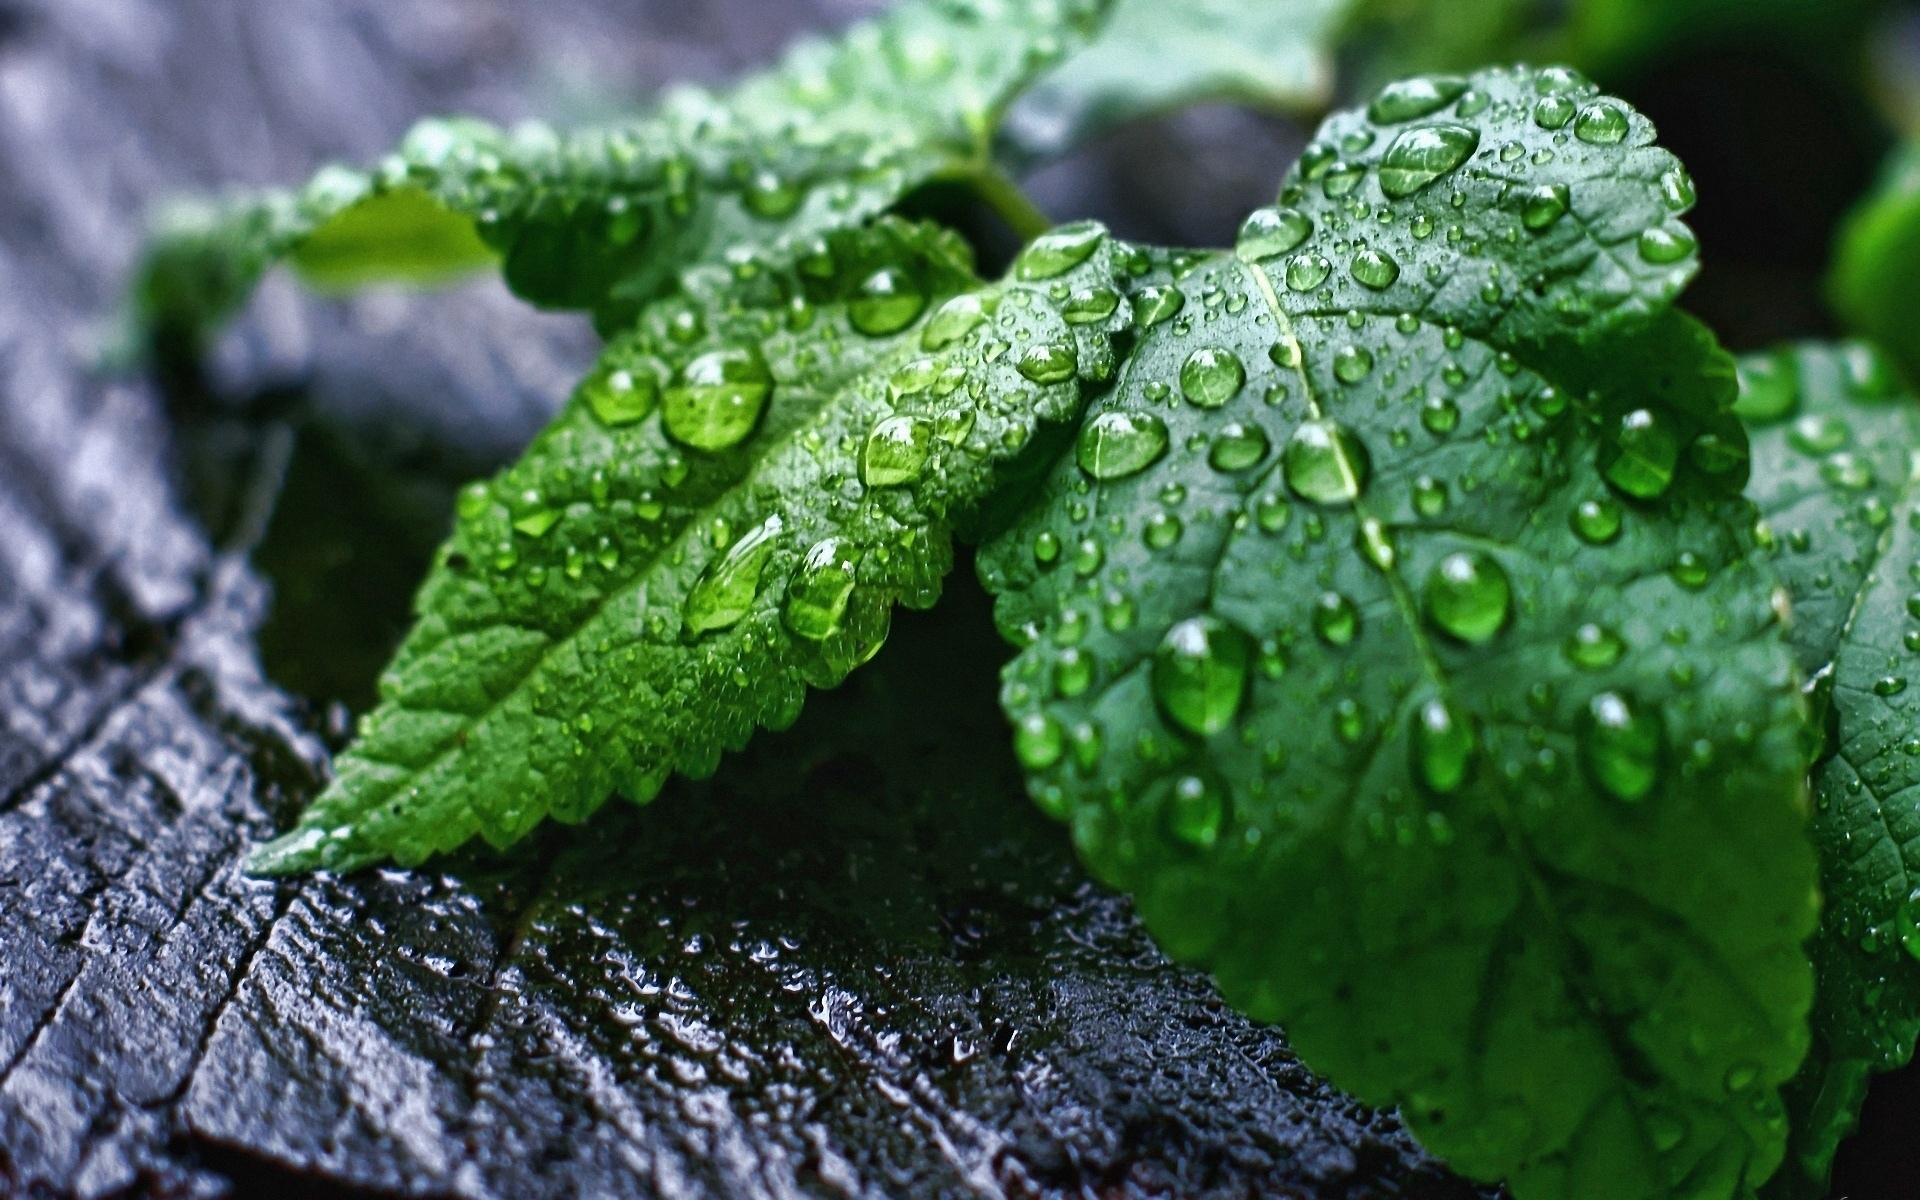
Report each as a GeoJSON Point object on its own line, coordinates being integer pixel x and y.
{"type": "Point", "coordinates": [603, 219]}
{"type": "Point", "coordinates": [1156, 55]}
{"type": "Point", "coordinates": [402, 235]}
{"type": "Point", "coordinates": [1395, 636]}
{"type": "Point", "coordinates": [726, 512]}
{"type": "Point", "coordinates": [1835, 478]}
{"type": "Point", "coordinates": [1875, 284]}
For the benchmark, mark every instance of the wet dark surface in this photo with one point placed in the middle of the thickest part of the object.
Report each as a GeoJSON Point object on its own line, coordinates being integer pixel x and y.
{"type": "Point", "coordinates": [855, 962]}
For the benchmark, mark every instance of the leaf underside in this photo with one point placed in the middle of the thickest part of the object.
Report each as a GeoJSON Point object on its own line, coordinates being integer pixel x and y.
{"type": "Point", "coordinates": [1503, 821]}
{"type": "Point", "coordinates": [1835, 469]}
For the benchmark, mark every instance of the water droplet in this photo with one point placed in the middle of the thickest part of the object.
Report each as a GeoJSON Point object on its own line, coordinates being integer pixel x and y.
{"type": "Point", "coordinates": [1089, 305]}
{"type": "Point", "coordinates": [1325, 463]}
{"type": "Point", "coordinates": [620, 395]}
{"type": "Point", "coordinates": [1640, 453]}
{"type": "Point", "coordinates": [1351, 364]}
{"type": "Point", "coordinates": [1116, 444]}
{"type": "Point", "coordinates": [1038, 741]}
{"type": "Point", "coordinates": [1118, 612]}
{"type": "Point", "coordinates": [536, 523]}
{"type": "Point", "coordinates": [1210, 377]}
{"type": "Point", "coordinates": [1055, 253]}
{"type": "Point", "coordinates": [1429, 496]}
{"type": "Point", "coordinates": [1843, 469]}
{"type": "Point", "coordinates": [717, 399]}
{"type": "Point", "coordinates": [1156, 303]}
{"type": "Point", "coordinates": [1439, 415]}
{"type": "Point", "coordinates": [1162, 529]}
{"type": "Point", "coordinates": [1272, 512]}
{"type": "Point", "coordinates": [1238, 446]}
{"type": "Point", "coordinates": [1676, 189]}
{"type": "Point", "coordinates": [1889, 685]}
{"type": "Point", "coordinates": [1196, 813]}
{"type": "Point", "coordinates": [1718, 454]}
{"type": "Point", "coordinates": [1621, 746]}
{"type": "Point", "coordinates": [1594, 647]}
{"type": "Point", "coordinates": [1819, 433]}
{"type": "Point", "coordinates": [1200, 674]}
{"type": "Point", "coordinates": [952, 321]}
{"type": "Point", "coordinates": [770, 196]}
{"type": "Point", "coordinates": [1442, 746]}
{"type": "Point", "coordinates": [1469, 597]}
{"type": "Point", "coordinates": [895, 452]}
{"type": "Point", "coordinates": [1341, 179]}
{"type": "Point", "coordinates": [1407, 99]}
{"type": "Point", "coordinates": [1336, 619]}
{"type": "Point", "coordinates": [1375, 269]}
{"type": "Point", "coordinates": [1349, 720]}
{"type": "Point", "coordinates": [1048, 362]}
{"type": "Point", "coordinates": [1046, 547]}
{"type": "Point", "coordinates": [1691, 571]}
{"type": "Point", "coordinates": [1597, 522]}
{"type": "Point", "coordinates": [818, 594]}
{"type": "Point", "coordinates": [726, 589]}
{"type": "Point", "coordinates": [1601, 123]}
{"type": "Point", "coordinates": [1087, 557]}
{"type": "Point", "coordinates": [1545, 205]}
{"type": "Point", "coordinates": [1423, 155]}
{"type": "Point", "coordinates": [1271, 232]}
{"type": "Point", "coordinates": [1306, 272]}
{"type": "Point", "coordinates": [888, 301]}
{"type": "Point", "coordinates": [1072, 672]}
{"type": "Point", "coordinates": [1553, 112]}
{"type": "Point", "coordinates": [1662, 244]}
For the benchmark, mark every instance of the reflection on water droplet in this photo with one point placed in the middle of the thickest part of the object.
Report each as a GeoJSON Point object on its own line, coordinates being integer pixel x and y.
{"type": "Point", "coordinates": [1407, 99]}
{"type": "Point", "coordinates": [1156, 303]}
{"type": "Point", "coordinates": [1660, 244]}
{"type": "Point", "coordinates": [1116, 444]}
{"type": "Point", "coordinates": [1089, 305]}
{"type": "Point", "coordinates": [1442, 747]}
{"type": "Point", "coordinates": [1306, 272]}
{"type": "Point", "coordinates": [1197, 812]}
{"type": "Point", "coordinates": [1336, 619]}
{"type": "Point", "coordinates": [1238, 446]}
{"type": "Point", "coordinates": [888, 301]}
{"type": "Point", "coordinates": [1271, 232]}
{"type": "Point", "coordinates": [1601, 123]}
{"type": "Point", "coordinates": [1325, 463]}
{"type": "Point", "coordinates": [895, 452]}
{"type": "Point", "coordinates": [770, 197]}
{"type": "Point", "coordinates": [1843, 469]}
{"type": "Point", "coordinates": [1594, 647]}
{"type": "Point", "coordinates": [1351, 364]}
{"type": "Point", "coordinates": [1621, 746]}
{"type": "Point", "coordinates": [1640, 453]}
{"type": "Point", "coordinates": [1048, 362]}
{"type": "Point", "coordinates": [1468, 596]}
{"type": "Point", "coordinates": [717, 399]}
{"type": "Point", "coordinates": [1375, 269]}
{"type": "Point", "coordinates": [1200, 674]}
{"type": "Point", "coordinates": [620, 395]}
{"type": "Point", "coordinates": [818, 594]}
{"type": "Point", "coordinates": [726, 589]}
{"type": "Point", "coordinates": [1553, 112]}
{"type": "Point", "coordinates": [952, 321]}
{"type": "Point", "coordinates": [1425, 154]}
{"type": "Point", "coordinates": [1038, 741]}
{"type": "Point", "coordinates": [1210, 377]}
{"type": "Point", "coordinates": [1819, 433]}
{"type": "Point", "coordinates": [1597, 522]}
{"type": "Point", "coordinates": [1544, 206]}
{"type": "Point", "coordinates": [1055, 253]}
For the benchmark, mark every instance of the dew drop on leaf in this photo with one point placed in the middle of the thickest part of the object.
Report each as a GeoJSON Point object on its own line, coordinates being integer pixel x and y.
{"type": "Point", "coordinates": [818, 594]}
{"type": "Point", "coordinates": [1469, 597]}
{"type": "Point", "coordinates": [1072, 672]}
{"type": "Point", "coordinates": [887, 301]}
{"type": "Point", "coordinates": [1621, 746]}
{"type": "Point", "coordinates": [1325, 463]}
{"type": "Point", "coordinates": [717, 399]}
{"type": "Point", "coordinates": [1439, 414]}
{"type": "Point", "coordinates": [1336, 619]}
{"type": "Point", "coordinates": [1086, 306]}
{"type": "Point", "coordinates": [1843, 469]}
{"type": "Point", "coordinates": [1640, 453]}
{"type": "Point", "coordinates": [1660, 244]}
{"type": "Point", "coordinates": [1055, 253]}
{"type": "Point", "coordinates": [1038, 741]}
{"type": "Point", "coordinates": [1351, 364]}
{"type": "Point", "coordinates": [1819, 433]}
{"type": "Point", "coordinates": [1197, 812]}
{"type": "Point", "coordinates": [1271, 232]}
{"type": "Point", "coordinates": [1117, 443]}
{"type": "Point", "coordinates": [1374, 269]}
{"type": "Point", "coordinates": [1210, 377]}
{"type": "Point", "coordinates": [726, 589]}
{"type": "Point", "coordinates": [1429, 496]}
{"type": "Point", "coordinates": [620, 395]}
{"type": "Point", "coordinates": [1593, 647]}
{"type": "Point", "coordinates": [1238, 446]}
{"type": "Point", "coordinates": [1155, 303]}
{"type": "Point", "coordinates": [1306, 272]}
{"type": "Point", "coordinates": [1769, 387]}
{"type": "Point", "coordinates": [1048, 362]}
{"type": "Point", "coordinates": [952, 321]}
{"type": "Point", "coordinates": [895, 452]}
{"type": "Point", "coordinates": [1544, 206]}
{"type": "Point", "coordinates": [1424, 155]}
{"type": "Point", "coordinates": [1601, 123]}
{"type": "Point", "coordinates": [770, 196]}
{"type": "Point", "coordinates": [1200, 674]}
{"type": "Point", "coordinates": [1441, 746]}
{"type": "Point", "coordinates": [1162, 530]}
{"type": "Point", "coordinates": [1406, 99]}
{"type": "Point", "coordinates": [1553, 112]}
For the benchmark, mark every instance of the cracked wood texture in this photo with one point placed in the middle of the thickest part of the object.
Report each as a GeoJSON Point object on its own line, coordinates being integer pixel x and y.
{"type": "Point", "coordinates": [853, 963]}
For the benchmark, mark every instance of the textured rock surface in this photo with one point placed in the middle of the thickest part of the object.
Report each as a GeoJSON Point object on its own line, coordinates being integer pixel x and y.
{"type": "Point", "coordinates": [854, 962]}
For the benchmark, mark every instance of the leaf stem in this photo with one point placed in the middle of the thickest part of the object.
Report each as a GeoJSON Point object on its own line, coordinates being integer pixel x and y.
{"type": "Point", "coordinates": [1007, 198]}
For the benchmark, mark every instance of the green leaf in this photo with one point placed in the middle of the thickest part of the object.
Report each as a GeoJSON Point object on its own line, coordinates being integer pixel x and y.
{"type": "Point", "coordinates": [603, 219]}
{"type": "Point", "coordinates": [727, 511]}
{"type": "Point", "coordinates": [1835, 477]}
{"type": "Point", "coordinates": [402, 235]}
{"type": "Point", "coordinates": [1875, 282]}
{"type": "Point", "coordinates": [1394, 633]}
{"type": "Point", "coordinates": [1156, 55]}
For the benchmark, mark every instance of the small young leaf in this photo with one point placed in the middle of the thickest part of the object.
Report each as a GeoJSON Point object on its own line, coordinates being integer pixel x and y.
{"type": "Point", "coordinates": [1156, 55]}
{"type": "Point", "coordinates": [1875, 284]}
{"type": "Point", "coordinates": [1394, 635]}
{"type": "Point", "coordinates": [1834, 458]}
{"type": "Point", "coordinates": [726, 512]}
{"type": "Point", "coordinates": [604, 219]}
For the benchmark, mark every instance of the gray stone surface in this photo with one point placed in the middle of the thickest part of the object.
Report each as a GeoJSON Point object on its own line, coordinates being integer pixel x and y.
{"type": "Point", "coordinates": [855, 962]}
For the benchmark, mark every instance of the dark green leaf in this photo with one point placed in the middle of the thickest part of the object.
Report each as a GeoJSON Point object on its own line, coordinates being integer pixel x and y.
{"type": "Point", "coordinates": [1424, 686]}
{"type": "Point", "coordinates": [1834, 460]}
{"type": "Point", "coordinates": [727, 511]}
